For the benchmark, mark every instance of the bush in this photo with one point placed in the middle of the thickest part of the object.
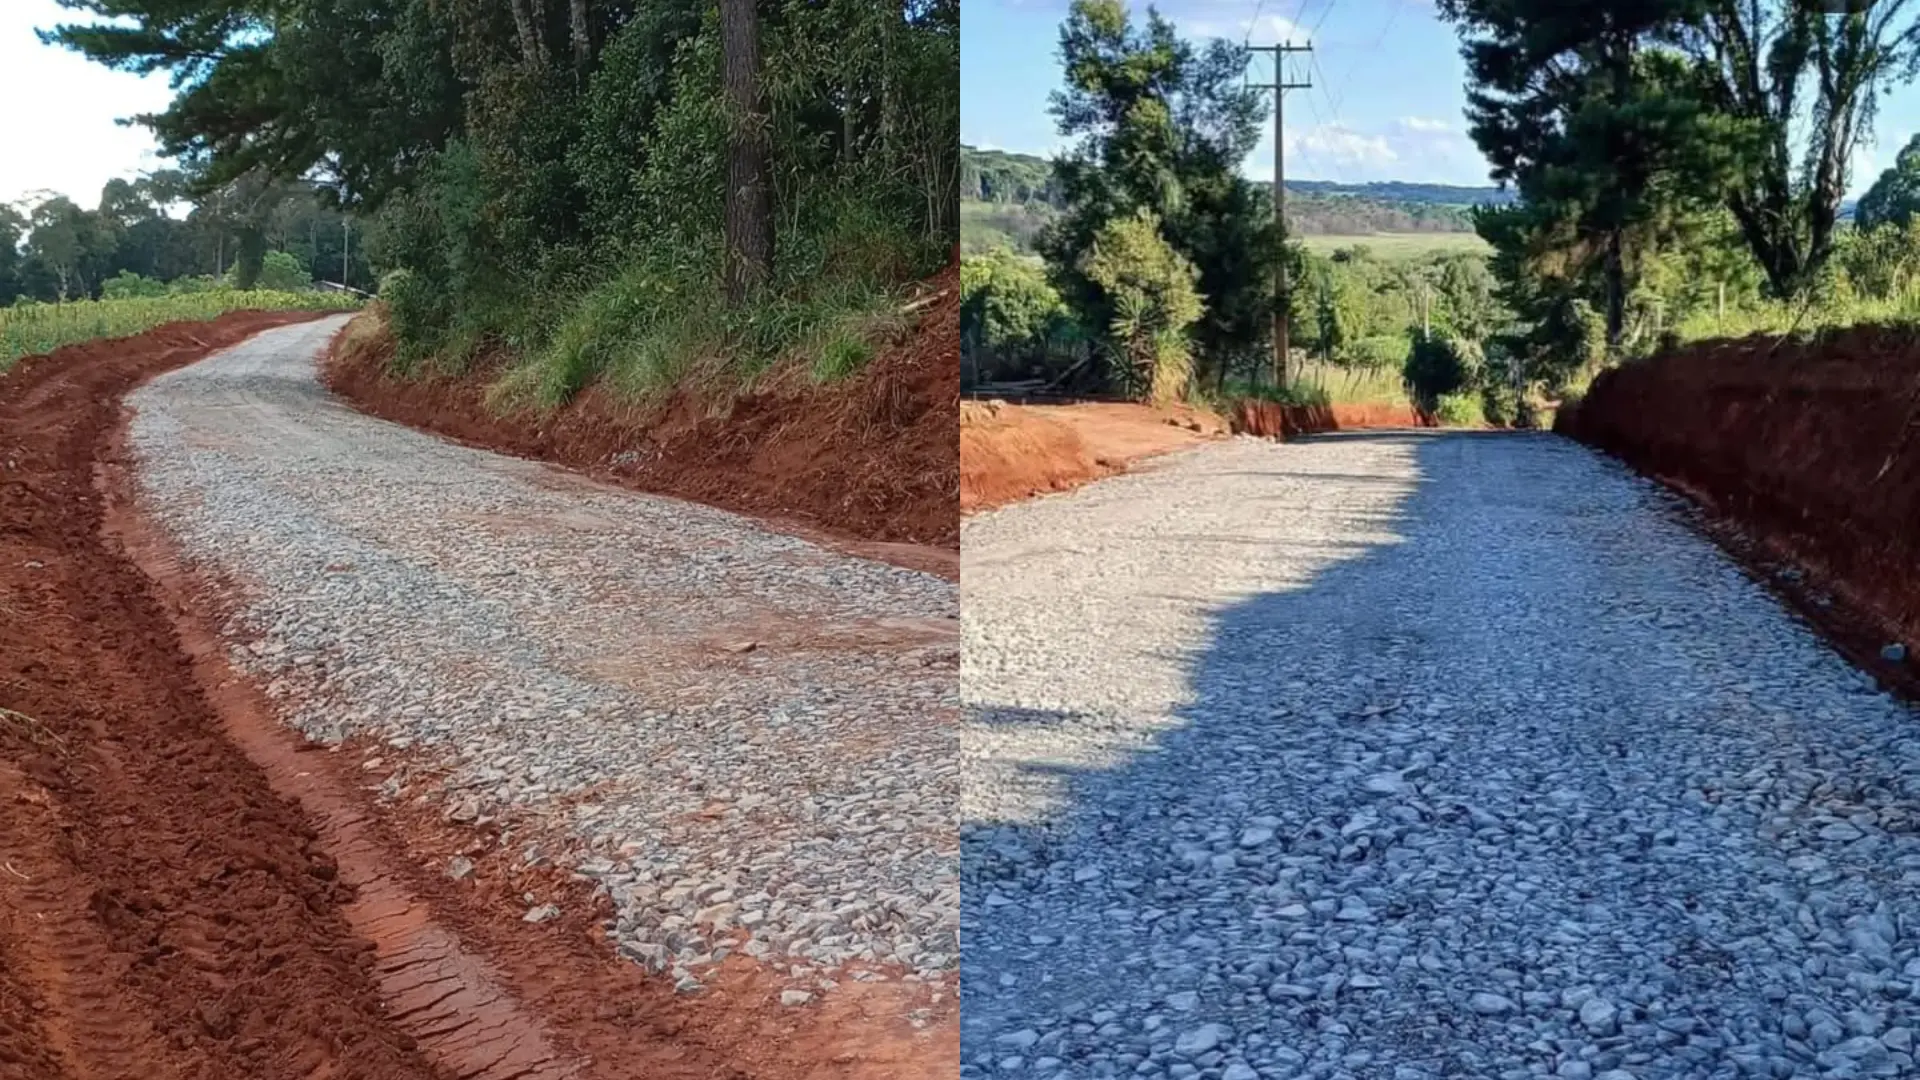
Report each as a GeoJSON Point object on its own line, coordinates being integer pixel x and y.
{"type": "Point", "coordinates": [127, 285]}
{"type": "Point", "coordinates": [1433, 370]}
{"type": "Point", "coordinates": [186, 286]}
{"type": "Point", "coordinates": [1459, 410]}
{"type": "Point", "coordinates": [281, 271]}
{"type": "Point", "coordinates": [1298, 393]}
{"type": "Point", "coordinates": [1010, 317]}
{"type": "Point", "coordinates": [418, 317]}
{"type": "Point", "coordinates": [1499, 405]}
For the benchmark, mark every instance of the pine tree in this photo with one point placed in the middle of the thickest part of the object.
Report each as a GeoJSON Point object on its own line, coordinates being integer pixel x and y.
{"type": "Point", "coordinates": [1572, 108]}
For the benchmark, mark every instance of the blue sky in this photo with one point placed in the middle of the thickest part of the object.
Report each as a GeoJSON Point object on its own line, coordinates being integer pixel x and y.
{"type": "Point", "coordinates": [1386, 105]}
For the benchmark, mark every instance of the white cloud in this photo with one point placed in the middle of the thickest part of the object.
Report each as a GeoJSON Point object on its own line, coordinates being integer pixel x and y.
{"type": "Point", "coordinates": [1423, 125]}
{"type": "Point", "coordinates": [1360, 154]}
{"type": "Point", "coordinates": [1335, 150]}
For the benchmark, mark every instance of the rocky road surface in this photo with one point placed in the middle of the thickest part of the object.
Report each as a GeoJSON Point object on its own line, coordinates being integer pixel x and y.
{"type": "Point", "coordinates": [748, 739]}
{"type": "Point", "coordinates": [1391, 756]}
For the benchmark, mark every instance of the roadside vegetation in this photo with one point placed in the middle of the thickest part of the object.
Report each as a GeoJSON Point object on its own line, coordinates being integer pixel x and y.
{"type": "Point", "coordinates": [575, 193]}
{"type": "Point", "coordinates": [32, 328]}
{"type": "Point", "coordinates": [1652, 195]}
{"type": "Point", "coordinates": [161, 248]}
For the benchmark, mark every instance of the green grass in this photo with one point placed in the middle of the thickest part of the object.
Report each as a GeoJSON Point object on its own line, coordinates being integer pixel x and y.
{"type": "Point", "coordinates": [1356, 386]}
{"type": "Point", "coordinates": [1320, 384]}
{"type": "Point", "coordinates": [31, 329]}
{"type": "Point", "coordinates": [1401, 245]}
{"type": "Point", "coordinates": [1796, 317]}
{"type": "Point", "coordinates": [646, 332]}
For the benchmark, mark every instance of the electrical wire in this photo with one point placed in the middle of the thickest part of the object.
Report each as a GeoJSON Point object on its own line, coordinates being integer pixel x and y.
{"type": "Point", "coordinates": [1247, 38]}
{"type": "Point", "coordinates": [1393, 14]}
{"type": "Point", "coordinates": [1321, 21]}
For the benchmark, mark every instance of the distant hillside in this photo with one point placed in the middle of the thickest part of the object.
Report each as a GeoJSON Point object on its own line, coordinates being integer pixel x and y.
{"type": "Point", "coordinates": [1400, 191]}
{"type": "Point", "coordinates": [1006, 198]}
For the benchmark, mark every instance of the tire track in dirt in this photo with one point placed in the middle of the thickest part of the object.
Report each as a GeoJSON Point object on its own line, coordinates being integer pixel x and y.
{"type": "Point", "coordinates": [162, 911]}
{"type": "Point", "coordinates": [434, 989]}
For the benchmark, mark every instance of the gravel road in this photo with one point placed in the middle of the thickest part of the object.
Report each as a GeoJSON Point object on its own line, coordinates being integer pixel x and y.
{"type": "Point", "coordinates": [744, 736]}
{"type": "Point", "coordinates": [1417, 755]}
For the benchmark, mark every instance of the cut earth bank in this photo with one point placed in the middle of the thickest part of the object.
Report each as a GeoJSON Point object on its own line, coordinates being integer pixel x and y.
{"type": "Point", "coordinates": [1805, 456]}
{"type": "Point", "coordinates": [1014, 452]}
{"type": "Point", "coordinates": [868, 461]}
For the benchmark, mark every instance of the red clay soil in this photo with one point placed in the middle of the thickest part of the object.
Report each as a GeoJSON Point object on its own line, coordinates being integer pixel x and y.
{"type": "Point", "coordinates": [1271, 420]}
{"type": "Point", "coordinates": [1804, 453]}
{"type": "Point", "coordinates": [1014, 452]}
{"type": "Point", "coordinates": [162, 911]}
{"type": "Point", "coordinates": [188, 890]}
{"type": "Point", "coordinates": [872, 459]}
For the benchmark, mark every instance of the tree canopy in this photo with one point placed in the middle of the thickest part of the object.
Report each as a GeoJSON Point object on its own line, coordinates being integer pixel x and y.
{"type": "Point", "coordinates": [516, 154]}
{"type": "Point", "coordinates": [1896, 194]}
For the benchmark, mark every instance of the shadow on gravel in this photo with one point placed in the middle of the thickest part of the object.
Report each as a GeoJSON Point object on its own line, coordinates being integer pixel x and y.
{"type": "Point", "coordinates": [1256, 645]}
{"type": "Point", "coordinates": [1283, 713]}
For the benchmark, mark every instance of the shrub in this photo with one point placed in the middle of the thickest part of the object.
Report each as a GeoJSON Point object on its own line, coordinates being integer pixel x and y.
{"type": "Point", "coordinates": [186, 286]}
{"type": "Point", "coordinates": [1151, 290]}
{"type": "Point", "coordinates": [1433, 370]}
{"type": "Point", "coordinates": [1459, 410]}
{"type": "Point", "coordinates": [417, 315]}
{"type": "Point", "coordinates": [282, 272]}
{"type": "Point", "coordinates": [127, 285]}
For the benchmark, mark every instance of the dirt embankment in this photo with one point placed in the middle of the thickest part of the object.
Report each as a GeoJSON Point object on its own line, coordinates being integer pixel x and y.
{"type": "Point", "coordinates": [1272, 420]}
{"type": "Point", "coordinates": [162, 911]}
{"type": "Point", "coordinates": [1014, 452]}
{"type": "Point", "coordinates": [872, 458]}
{"type": "Point", "coordinates": [1806, 453]}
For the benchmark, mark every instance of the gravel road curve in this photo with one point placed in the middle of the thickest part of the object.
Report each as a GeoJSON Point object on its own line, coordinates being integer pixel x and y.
{"type": "Point", "coordinates": [1406, 755]}
{"type": "Point", "coordinates": [747, 738]}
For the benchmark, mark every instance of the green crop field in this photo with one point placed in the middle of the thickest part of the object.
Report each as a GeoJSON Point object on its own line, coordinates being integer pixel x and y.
{"type": "Point", "coordinates": [31, 329]}
{"type": "Point", "coordinates": [1401, 245]}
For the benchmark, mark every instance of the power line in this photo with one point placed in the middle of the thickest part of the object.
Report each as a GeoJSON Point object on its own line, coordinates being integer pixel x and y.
{"type": "Point", "coordinates": [1393, 14]}
{"type": "Point", "coordinates": [1328, 10]}
{"type": "Point", "coordinates": [1247, 38]}
{"type": "Point", "coordinates": [1300, 14]}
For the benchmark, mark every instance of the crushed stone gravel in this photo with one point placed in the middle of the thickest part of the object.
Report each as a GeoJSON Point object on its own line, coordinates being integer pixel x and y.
{"type": "Point", "coordinates": [747, 739]}
{"type": "Point", "coordinates": [1391, 756]}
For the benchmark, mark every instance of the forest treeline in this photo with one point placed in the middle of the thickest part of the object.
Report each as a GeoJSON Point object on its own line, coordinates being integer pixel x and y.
{"type": "Point", "coordinates": [1009, 197]}
{"type": "Point", "coordinates": [598, 187]}
{"type": "Point", "coordinates": [162, 232]}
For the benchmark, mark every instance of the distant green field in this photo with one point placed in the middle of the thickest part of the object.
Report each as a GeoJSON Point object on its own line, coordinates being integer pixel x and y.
{"type": "Point", "coordinates": [1401, 245]}
{"type": "Point", "coordinates": [984, 226]}
{"type": "Point", "coordinates": [27, 329]}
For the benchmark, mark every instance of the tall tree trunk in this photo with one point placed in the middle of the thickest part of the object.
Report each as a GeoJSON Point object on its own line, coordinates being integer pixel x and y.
{"type": "Point", "coordinates": [749, 207]}
{"type": "Point", "coordinates": [524, 30]}
{"type": "Point", "coordinates": [582, 45]}
{"type": "Point", "coordinates": [1616, 283]}
{"type": "Point", "coordinates": [1620, 59]}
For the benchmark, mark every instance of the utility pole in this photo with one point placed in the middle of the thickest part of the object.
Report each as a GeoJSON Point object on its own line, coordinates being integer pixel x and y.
{"type": "Point", "coordinates": [346, 240]}
{"type": "Point", "coordinates": [1281, 293]}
